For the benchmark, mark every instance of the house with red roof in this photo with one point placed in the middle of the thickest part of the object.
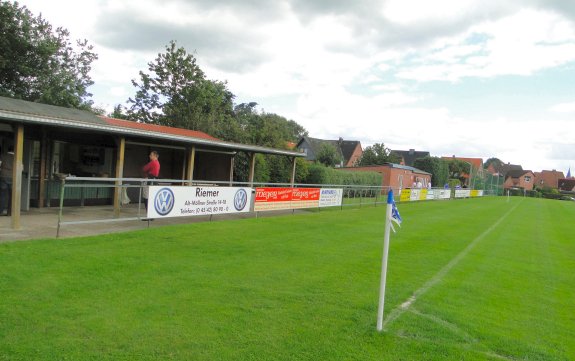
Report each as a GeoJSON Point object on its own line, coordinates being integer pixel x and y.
{"type": "Point", "coordinates": [548, 179]}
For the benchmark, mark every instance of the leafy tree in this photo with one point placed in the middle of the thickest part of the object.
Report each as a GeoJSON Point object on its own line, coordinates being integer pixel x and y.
{"type": "Point", "coordinates": [377, 154]}
{"type": "Point", "coordinates": [495, 161]}
{"type": "Point", "coordinates": [40, 64]}
{"type": "Point", "coordinates": [328, 155]}
{"type": "Point", "coordinates": [438, 168]}
{"type": "Point", "coordinates": [457, 169]}
{"type": "Point", "coordinates": [119, 112]}
{"type": "Point", "coordinates": [176, 93]}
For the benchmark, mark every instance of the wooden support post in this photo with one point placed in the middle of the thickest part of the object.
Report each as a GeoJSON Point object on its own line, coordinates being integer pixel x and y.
{"type": "Point", "coordinates": [293, 171]}
{"type": "Point", "coordinates": [191, 164]}
{"type": "Point", "coordinates": [118, 190]}
{"type": "Point", "coordinates": [43, 176]}
{"type": "Point", "coordinates": [17, 169]}
{"type": "Point", "coordinates": [252, 169]}
{"type": "Point", "coordinates": [233, 157]}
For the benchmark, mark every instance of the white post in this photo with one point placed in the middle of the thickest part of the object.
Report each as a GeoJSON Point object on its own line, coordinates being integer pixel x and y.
{"type": "Point", "coordinates": [384, 261]}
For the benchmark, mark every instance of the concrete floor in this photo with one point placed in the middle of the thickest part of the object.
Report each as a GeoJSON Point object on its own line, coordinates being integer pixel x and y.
{"type": "Point", "coordinates": [43, 222]}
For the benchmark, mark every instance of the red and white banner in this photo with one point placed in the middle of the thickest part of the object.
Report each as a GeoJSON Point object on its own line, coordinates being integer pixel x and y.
{"type": "Point", "coordinates": [269, 199]}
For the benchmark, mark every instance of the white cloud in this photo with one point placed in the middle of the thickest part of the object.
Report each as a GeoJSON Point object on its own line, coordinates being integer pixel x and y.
{"type": "Point", "coordinates": [563, 108]}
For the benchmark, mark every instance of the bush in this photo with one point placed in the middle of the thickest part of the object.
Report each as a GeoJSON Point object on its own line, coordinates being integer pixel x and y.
{"type": "Point", "coordinates": [320, 174]}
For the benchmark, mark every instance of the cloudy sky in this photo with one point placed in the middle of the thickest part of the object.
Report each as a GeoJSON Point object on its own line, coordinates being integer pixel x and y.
{"type": "Point", "coordinates": [471, 78]}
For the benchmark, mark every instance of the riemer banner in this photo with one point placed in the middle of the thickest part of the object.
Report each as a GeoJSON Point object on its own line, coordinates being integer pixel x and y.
{"type": "Point", "coordinates": [181, 201]}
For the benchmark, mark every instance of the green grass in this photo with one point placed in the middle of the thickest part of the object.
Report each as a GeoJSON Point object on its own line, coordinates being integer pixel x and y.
{"type": "Point", "coordinates": [302, 287]}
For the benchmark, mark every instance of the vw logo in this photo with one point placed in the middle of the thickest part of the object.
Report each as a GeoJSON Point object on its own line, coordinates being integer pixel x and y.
{"type": "Point", "coordinates": [240, 199]}
{"type": "Point", "coordinates": [164, 201]}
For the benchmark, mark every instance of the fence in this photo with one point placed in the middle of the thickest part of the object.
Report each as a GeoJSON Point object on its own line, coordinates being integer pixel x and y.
{"type": "Point", "coordinates": [130, 192]}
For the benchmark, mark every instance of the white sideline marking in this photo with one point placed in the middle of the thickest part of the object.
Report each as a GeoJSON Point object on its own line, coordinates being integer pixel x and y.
{"type": "Point", "coordinates": [398, 311]}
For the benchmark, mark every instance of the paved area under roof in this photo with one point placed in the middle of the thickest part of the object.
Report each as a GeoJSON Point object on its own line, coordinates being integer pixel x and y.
{"type": "Point", "coordinates": [43, 222]}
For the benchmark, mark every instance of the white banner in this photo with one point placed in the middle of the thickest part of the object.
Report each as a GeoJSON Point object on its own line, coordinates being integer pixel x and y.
{"type": "Point", "coordinates": [462, 193]}
{"type": "Point", "coordinates": [182, 201]}
{"type": "Point", "coordinates": [442, 193]}
{"type": "Point", "coordinates": [330, 197]}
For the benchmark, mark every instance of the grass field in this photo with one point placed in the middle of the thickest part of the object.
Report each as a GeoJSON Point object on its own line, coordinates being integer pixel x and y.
{"type": "Point", "coordinates": [480, 279]}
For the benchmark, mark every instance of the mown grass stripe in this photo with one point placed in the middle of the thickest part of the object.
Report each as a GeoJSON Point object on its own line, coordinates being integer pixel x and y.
{"type": "Point", "coordinates": [404, 306]}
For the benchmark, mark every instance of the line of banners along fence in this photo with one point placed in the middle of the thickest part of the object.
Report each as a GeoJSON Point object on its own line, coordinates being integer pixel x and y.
{"type": "Point", "coordinates": [181, 201]}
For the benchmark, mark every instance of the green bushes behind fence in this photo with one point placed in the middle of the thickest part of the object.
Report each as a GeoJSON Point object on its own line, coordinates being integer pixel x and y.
{"type": "Point", "coordinates": [320, 174]}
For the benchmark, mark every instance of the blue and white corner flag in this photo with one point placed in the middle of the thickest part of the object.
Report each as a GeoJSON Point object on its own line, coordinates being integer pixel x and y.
{"type": "Point", "coordinates": [395, 217]}
{"type": "Point", "coordinates": [391, 216]}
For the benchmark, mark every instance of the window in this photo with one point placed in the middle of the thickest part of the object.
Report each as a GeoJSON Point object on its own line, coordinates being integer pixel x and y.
{"type": "Point", "coordinates": [527, 179]}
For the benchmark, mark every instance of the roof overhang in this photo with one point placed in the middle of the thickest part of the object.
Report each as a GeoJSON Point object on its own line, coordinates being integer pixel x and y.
{"type": "Point", "coordinates": [18, 117]}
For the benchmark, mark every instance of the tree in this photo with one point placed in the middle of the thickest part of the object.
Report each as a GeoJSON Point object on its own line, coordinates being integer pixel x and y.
{"type": "Point", "coordinates": [176, 93]}
{"type": "Point", "coordinates": [458, 169]}
{"type": "Point", "coordinates": [438, 168]}
{"type": "Point", "coordinates": [377, 154]}
{"type": "Point", "coordinates": [495, 161]}
{"type": "Point", "coordinates": [328, 155]}
{"type": "Point", "coordinates": [40, 64]}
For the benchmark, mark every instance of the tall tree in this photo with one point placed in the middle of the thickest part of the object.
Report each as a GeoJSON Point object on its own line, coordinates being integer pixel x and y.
{"type": "Point", "coordinates": [328, 155]}
{"type": "Point", "coordinates": [438, 168]}
{"type": "Point", "coordinates": [40, 64]}
{"type": "Point", "coordinates": [458, 169]}
{"type": "Point", "coordinates": [177, 93]}
{"type": "Point", "coordinates": [377, 154]}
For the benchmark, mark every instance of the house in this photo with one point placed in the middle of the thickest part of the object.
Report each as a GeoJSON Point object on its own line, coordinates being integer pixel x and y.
{"type": "Point", "coordinates": [476, 169]}
{"type": "Point", "coordinates": [548, 179]}
{"type": "Point", "coordinates": [502, 169]}
{"type": "Point", "coordinates": [349, 150]}
{"type": "Point", "coordinates": [397, 176]}
{"type": "Point", "coordinates": [519, 179]}
{"type": "Point", "coordinates": [566, 184]}
{"type": "Point", "coordinates": [53, 142]}
{"type": "Point", "coordinates": [408, 157]}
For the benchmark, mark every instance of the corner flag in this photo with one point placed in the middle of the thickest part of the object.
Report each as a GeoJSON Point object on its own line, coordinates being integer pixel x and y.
{"type": "Point", "coordinates": [392, 215]}
{"type": "Point", "coordinates": [395, 217]}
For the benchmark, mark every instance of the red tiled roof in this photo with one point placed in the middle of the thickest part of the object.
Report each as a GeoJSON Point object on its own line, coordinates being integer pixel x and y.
{"type": "Point", "coordinates": [157, 128]}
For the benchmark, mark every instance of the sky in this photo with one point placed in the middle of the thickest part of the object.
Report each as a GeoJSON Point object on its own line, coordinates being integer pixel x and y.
{"type": "Point", "coordinates": [470, 78]}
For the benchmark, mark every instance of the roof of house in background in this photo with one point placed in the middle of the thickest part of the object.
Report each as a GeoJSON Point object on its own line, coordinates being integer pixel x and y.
{"type": "Point", "coordinates": [345, 148]}
{"type": "Point", "coordinates": [517, 173]}
{"type": "Point", "coordinates": [409, 156]}
{"type": "Point", "coordinates": [16, 110]}
{"type": "Point", "coordinates": [476, 162]}
{"type": "Point", "coordinates": [567, 184]}
{"type": "Point", "coordinates": [503, 169]}
{"type": "Point", "coordinates": [549, 178]}
{"type": "Point", "coordinates": [391, 165]}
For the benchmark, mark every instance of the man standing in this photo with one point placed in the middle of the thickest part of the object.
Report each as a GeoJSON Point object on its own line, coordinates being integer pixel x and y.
{"type": "Point", "coordinates": [6, 166]}
{"type": "Point", "coordinates": [151, 171]}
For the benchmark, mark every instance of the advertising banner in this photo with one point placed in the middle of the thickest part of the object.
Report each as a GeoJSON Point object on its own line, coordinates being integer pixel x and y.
{"type": "Point", "coordinates": [330, 197]}
{"type": "Point", "coordinates": [269, 199]}
{"type": "Point", "coordinates": [305, 198]}
{"type": "Point", "coordinates": [181, 201]}
{"type": "Point", "coordinates": [431, 194]}
{"type": "Point", "coordinates": [442, 193]}
{"type": "Point", "coordinates": [405, 195]}
{"type": "Point", "coordinates": [462, 193]}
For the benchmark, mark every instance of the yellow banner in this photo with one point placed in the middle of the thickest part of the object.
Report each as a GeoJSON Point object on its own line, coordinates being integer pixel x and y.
{"type": "Point", "coordinates": [474, 193]}
{"type": "Point", "coordinates": [405, 195]}
{"type": "Point", "coordinates": [423, 195]}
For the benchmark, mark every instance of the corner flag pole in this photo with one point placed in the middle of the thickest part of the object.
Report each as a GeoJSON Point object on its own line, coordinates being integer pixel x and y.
{"type": "Point", "coordinates": [384, 261]}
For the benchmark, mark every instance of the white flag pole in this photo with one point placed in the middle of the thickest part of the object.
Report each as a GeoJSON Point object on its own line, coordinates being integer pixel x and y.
{"type": "Point", "coordinates": [384, 261]}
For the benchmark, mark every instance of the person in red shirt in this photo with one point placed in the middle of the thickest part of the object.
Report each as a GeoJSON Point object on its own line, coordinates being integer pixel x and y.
{"type": "Point", "coordinates": [152, 171]}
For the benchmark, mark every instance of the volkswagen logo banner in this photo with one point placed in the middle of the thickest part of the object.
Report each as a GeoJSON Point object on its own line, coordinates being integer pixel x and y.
{"type": "Point", "coordinates": [181, 201]}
